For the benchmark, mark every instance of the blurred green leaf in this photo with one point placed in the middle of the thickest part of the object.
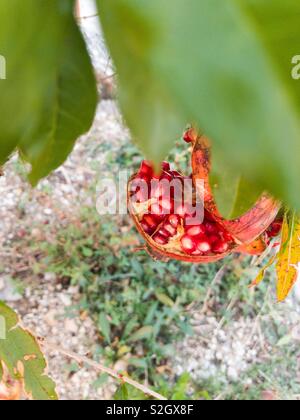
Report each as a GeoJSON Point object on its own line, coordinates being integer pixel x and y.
{"type": "Point", "coordinates": [139, 363]}
{"type": "Point", "coordinates": [87, 252]}
{"type": "Point", "coordinates": [164, 299]}
{"type": "Point", "coordinates": [104, 326]}
{"type": "Point", "coordinates": [49, 97]}
{"type": "Point", "coordinates": [180, 391]}
{"type": "Point", "coordinates": [234, 195]}
{"type": "Point", "coordinates": [122, 393]}
{"type": "Point", "coordinates": [147, 104]}
{"type": "Point", "coordinates": [30, 60]}
{"type": "Point", "coordinates": [141, 334]}
{"type": "Point", "coordinates": [69, 107]}
{"type": "Point", "coordinates": [225, 65]}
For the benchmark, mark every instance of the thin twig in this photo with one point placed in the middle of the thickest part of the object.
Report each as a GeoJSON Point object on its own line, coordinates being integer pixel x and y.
{"type": "Point", "coordinates": [228, 309]}
{"type": "Point", "coordinates": [192, 308]}
{"type": "Point", "coordinates": [97, 366]}
{"type": "Point", "coordinates": [103, 79]}
{"type": "Point", "coordinates": [217, 279]}
{"type": "Point", "coordinates": [88, 17]}
{"type": "Point", "coordinates": [261, 258]}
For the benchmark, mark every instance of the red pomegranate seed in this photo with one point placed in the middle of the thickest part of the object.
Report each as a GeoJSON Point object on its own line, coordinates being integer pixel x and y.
{"type": "Point", "coordinates": [156, 210]}
{"type": "Point", "coordinates": [167, 176]}
{"type": "Point", "coordinates": [146, 228]}
{"type": "Point", "coordinates": [167, 205]}
{"type": "Point", "coordinates": [150, 221]}
{"type": "Point", "coordinates": [141, 195]}
{"type": "Point", "coordinates": [187, 136]}
{"type": "Point", "coordinates": [274, 229]}
{"type": "Point", "coordinates": [195, 230]}
{"type": "Point", "coordinates": [188, 244]}
{"type": "Point", "coordinates": [184, 210]}
{"type": "Point", "coordinates": [160, 188]}
{"type": "Point", "coordinates": [226, 236]}
{"type": "Point", "coordinates": [204, 246]}
{"type": "Point", "coordinates": [220, 247]}
{"type": "Point", "coordinates": [170, 229]}
{"type": "Point", "coordinates": [211, 228]}
{"type": "Point", "coordinates": [174, 220]}
{"type": "Point", "coordinates": [208, 216]}
{"type": "Point", "coordinates": [163, 232]}
{"type": "Point", "coordinates": [176, 174]}
{"type": "Point", "coordinates": [141, 181]}
{"type": "Point", "coordinates": [146, 168]}
{"type": "Point", "coordinates": [214, 239]}
{"type": "Point", "coordinates": [165, 166]}
{"type": "Point", "coordinates": [197, 253]}
{"type": "Point", "coordinates": [159, 239]}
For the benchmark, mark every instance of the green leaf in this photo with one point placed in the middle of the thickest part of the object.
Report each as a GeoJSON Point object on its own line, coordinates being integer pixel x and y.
{"type": "Point", "coordinates": [180, 391]}
{"type": "Point", "coordinates": [49, 96]}
{"type": "Point", "coordinates": [147, 103]}
{"type": "Point", "coordinates": [68, 108]}
{"type": "Point", "coordinates": [233, 193]}
{"type": "Point", "coordinates": [164, 299]}
{"type": "Point", "coordinates": [21, 354]}
{"type": "Point", "coordinates": [225, 65]}
{"type": "Point", "coordinates": [142, 333]}
{"type": "Point", "coordinates": [104, 326]}
{"type": "Point", "coordinates": [122, 393]}
{"type": "Point", "coordinates": [25, 30]}
{"type": "Point", "coordinates": [87, 252]}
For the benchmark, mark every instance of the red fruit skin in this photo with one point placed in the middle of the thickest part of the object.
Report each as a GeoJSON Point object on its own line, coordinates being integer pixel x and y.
{"type": "Point", "coordinates": [257, 247]}
{"type": "Point", "coordinates": [249, 226]}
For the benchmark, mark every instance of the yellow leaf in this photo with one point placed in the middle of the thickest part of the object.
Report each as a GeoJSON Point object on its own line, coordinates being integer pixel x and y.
{"type": "Point", "coordinates": [262, 273]}
{"type": "Point", "coordinates": [288, 258]}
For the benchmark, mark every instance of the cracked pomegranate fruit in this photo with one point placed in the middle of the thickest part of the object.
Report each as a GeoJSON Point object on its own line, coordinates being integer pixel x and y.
{"type": "Point", "coordinates": [179, 219]}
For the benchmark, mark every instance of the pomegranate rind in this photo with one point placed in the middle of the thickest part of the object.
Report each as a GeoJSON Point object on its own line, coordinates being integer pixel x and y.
{"type": "Point", "coordinates": [249, 226]}
{"type": "Point", "coordinates": [173, 249]}
{"type": "Point", "coordinates": [246, 230]}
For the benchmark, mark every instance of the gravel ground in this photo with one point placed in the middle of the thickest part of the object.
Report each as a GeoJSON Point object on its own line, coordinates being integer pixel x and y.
{"type": "Point", "coordinates": [46, 306]}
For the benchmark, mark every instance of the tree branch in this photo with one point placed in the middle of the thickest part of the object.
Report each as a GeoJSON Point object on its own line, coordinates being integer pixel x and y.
{"type": "Point", "coordinates": [97, 366]}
